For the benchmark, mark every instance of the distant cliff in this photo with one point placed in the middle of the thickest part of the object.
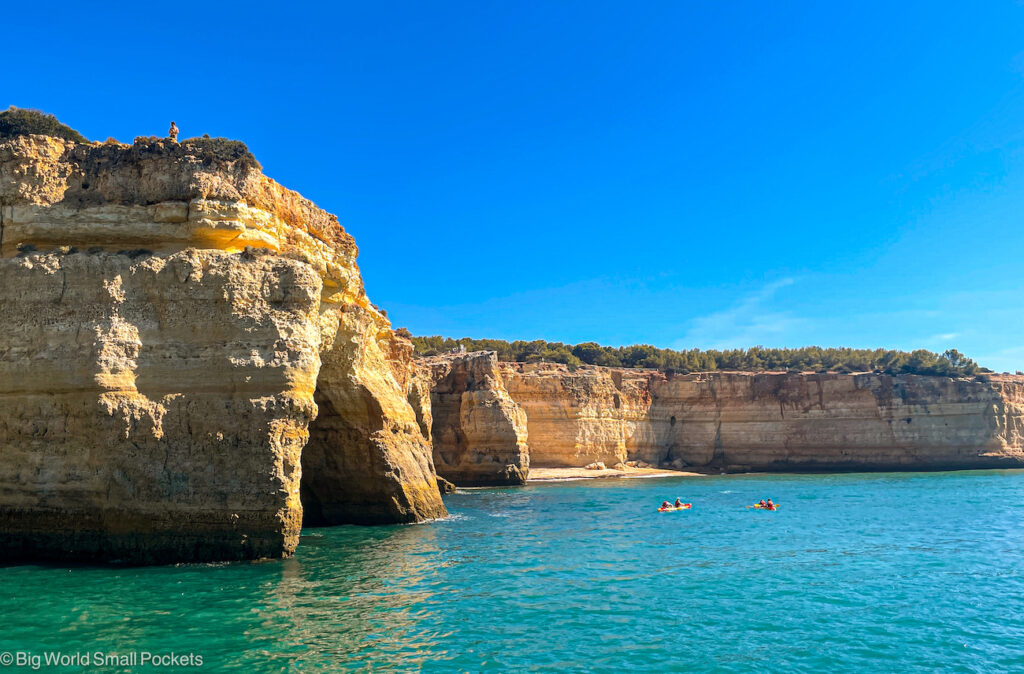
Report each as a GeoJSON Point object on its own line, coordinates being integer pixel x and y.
{"type": "Point", "coordinates": [189, 362]}
{"type": "Point", "coordinates": [735, 421]}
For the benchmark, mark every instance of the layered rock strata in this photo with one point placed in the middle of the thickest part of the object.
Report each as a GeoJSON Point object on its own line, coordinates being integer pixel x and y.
{"type": "Point", "coordinates": [578, 418]}
{"type": "Point", "coordinates": [188, 358]}
{"type": "Point", "coordinates": [768, 422]}
{"type": "Point", "coordinates": [478, 431]}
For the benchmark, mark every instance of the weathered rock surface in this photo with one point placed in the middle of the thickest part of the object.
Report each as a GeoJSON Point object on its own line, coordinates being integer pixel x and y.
{"type": "Point", "coordinates": [741, 421]}
{"type": "Point", "coordinates": [478, 431]}
{"type": "Point", "coordinates": [172, 403]}
{"type": "Point", "coordinates": [578, 418]}
{"type": "Point", "coordinates": [445, 486]}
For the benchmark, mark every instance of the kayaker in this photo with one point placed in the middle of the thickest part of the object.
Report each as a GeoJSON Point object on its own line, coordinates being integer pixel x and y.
{"type": "Point", "coordinates": [678, 503]}
{"type": "Point", "coordinates": [665, 505]}
{"type": "Point", "coordinates": [769, 505]}
{"type": "Point", "coordinates": [763, 504]}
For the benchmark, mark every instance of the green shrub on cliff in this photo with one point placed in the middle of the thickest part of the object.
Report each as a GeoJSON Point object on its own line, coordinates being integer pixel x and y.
{"type": "Point", "coordinates": [22, 122]}
{"type": "Point", "coordinates": [224, 149]}
{"type": "Point", "coordinates": [952, 363]}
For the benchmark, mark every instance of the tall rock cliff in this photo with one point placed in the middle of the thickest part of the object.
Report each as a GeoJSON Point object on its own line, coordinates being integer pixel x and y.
{"type": "Point", "coordinates": [478, 431]}
{"type": "Point", "coordinates": [578, 418]}
{"type": "Point", "coordinates": [741, 421]}
{"type": "Point", "coordinates": [188, 358]}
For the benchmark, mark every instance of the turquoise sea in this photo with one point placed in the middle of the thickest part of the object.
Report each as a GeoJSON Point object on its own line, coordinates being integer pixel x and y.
{"type": "Point", "coordinates": [859, 572]}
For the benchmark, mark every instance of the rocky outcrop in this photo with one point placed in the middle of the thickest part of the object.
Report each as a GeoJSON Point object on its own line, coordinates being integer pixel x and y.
{"type": "Point", "coordinates": [582, 417]}
{"type": "Point", "coordinates": [741, 421]}
{"type": "Point", "coordinates": [445, 486]}
{"type": "Point", "coordinates": [478, 431]}
{"type": "Point", "coordinates": [188, 361]}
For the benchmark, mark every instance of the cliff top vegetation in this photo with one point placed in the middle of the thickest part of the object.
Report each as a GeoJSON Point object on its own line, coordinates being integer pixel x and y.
{"type": "Point", "coordinates": [23, 121]}
{"type": "Point", "coordinates": [225, 149]}
{"type": "Point", "coordinates": [809, 358]}
{"type": "Point", "coordinates": [217, 150]}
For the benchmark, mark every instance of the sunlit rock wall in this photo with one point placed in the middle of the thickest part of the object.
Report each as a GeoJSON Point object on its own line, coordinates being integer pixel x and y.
{"type": "Point", "coordinates": [744, 421]}
{"type": "Point", "coordinates": [479, 433]}
{"type": "Point", "coordinates": [177, 326]}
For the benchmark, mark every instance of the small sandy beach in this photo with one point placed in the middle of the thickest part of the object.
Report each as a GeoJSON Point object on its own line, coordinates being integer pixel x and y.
{"type": "Point", "coordinates": [554, 474]}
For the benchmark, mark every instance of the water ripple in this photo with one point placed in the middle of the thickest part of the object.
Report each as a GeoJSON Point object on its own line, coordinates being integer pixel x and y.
{"type": "Point", "coordinates": [854, 572]}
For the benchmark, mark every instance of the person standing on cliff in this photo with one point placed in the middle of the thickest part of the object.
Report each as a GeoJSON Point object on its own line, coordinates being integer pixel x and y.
{"type": "Point", "coordinates": [172, 133]}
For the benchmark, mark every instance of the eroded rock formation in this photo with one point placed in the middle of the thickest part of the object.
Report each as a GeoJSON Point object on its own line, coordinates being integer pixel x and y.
{"type": "Point", "coordinates": [478, 431]}
{"type": "Point", "coordinates": [187, 348]}
{"type": "Point", "coordinates": [742, 421]}
{"type": "Point", "coordinates": [578, 418]}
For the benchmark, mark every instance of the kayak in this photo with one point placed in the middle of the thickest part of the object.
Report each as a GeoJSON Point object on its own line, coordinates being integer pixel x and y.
{"type": "Point", "coordinates": [758, 506]}
{"type": "Point", "coordinates": [685, 506]}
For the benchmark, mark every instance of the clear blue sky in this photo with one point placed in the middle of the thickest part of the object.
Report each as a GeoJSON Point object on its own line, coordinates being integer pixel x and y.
{"type": "Point", "coordinates": [684, 174]}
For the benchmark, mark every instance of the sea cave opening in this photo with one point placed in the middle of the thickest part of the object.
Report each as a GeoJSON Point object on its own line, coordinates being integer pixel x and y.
{"type": "Point", "coordinates": [315, 488]}
{"type": "Point", "coordinates": [338, 459]}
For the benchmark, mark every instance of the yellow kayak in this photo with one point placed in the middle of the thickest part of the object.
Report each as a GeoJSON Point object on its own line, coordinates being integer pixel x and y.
{"type": "Point", "coordinates": [685, 506]}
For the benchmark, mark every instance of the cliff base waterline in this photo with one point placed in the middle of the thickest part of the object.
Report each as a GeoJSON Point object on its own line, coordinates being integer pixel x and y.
{"type": "Point", "coordinates": [562, 474]}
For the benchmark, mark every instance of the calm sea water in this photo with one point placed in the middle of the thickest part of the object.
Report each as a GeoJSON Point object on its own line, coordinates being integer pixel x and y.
{"type": "Point", "coordinates": [867, 572]}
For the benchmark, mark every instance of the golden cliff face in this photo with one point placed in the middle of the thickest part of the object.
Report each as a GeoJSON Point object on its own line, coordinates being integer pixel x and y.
{"type": "Point", "coordinates": [478, 431]}
{"type": "Point", "coordinates": [742, 421]}
{"type": "Point", "coordinates": [168, 394]}
{"type": "Point", "coordinates": [578, 418]}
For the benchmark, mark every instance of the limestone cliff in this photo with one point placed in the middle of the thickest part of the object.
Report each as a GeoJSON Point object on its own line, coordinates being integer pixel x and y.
{"type": "Point", "coordinates": [742, 421]}
{"type": "Point", "coordinates": [188, 357]}
{"type": "Point", "coordinates": [478, 431]}
{"type": "Point", "coordinates": [578, 418]}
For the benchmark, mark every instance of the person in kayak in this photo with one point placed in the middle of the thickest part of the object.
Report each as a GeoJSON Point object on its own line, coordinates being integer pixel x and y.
{"type": "Point", "coordinates": [678, 503]}
{"type": "Point", "coordinates": [665, 505]}
{"type": "Point", "coordinates": [763, 504]}
{"type": "Point", "coordinates": [769, 505]}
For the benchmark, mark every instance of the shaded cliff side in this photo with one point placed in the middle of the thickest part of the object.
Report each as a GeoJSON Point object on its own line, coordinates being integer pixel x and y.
{"type": "Point", "coordinates": [188, 355]}
{"type": "Point", "coordinates": [743, 421]}
{"type": "Point", "coordinates": [478, 431]}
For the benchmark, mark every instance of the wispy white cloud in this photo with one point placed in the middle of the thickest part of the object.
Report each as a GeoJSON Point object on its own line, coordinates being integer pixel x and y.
{"type": "Point", "coordinates": [749, 321]}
